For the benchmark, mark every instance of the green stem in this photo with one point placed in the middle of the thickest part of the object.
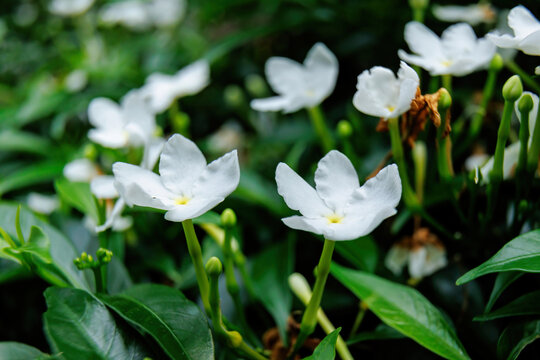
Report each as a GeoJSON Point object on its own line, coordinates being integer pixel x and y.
{"type": "Point", "coordinates": [319, 124]}
{"type": "Point", "coordinates": [534, 149]}
{"type": "Point", "coordinates": [487, 94]}
{"type": "Point", "coordinates": [516, 69]}
{"type": "Point", "coordinates": [309, 319]}
{"type": "Point", "coordinates": [447, 82]}
{"type": "Point", "coordinates": [195, 252]}
{"type": "Point", "coordinates": [444, 160]}
{"type": "Point", "coordinates": [524, 142]}
{"type": "Point", "coordinates": [397, 150]}
{"type": "Point", "coordinates": [361, 313]}
{"type": "Point", "coordinates": [98, 278]}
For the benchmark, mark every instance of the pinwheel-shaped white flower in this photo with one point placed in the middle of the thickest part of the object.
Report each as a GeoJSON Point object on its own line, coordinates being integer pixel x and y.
{"type": "Point", "coordinates": [526, 32]}
{"type": "Point", "coordinates": [339, 208]}
{"type": "Point", "coordinates": [299, 85]}
{"type": "Point", "coordinates": [187, 187]}
{"type": "Point", "coordinates": [69, 7]}
{"type": "Point", "coordinates": [161, 90]}
{"type": "Point", "coordinates": [457, 52]}
{"type": "Point", "coordinates": [473, 14]}
{"type": "Point", "coordinates": [130, 123]}
{"type": "Point", "coordinates": [379, 93]}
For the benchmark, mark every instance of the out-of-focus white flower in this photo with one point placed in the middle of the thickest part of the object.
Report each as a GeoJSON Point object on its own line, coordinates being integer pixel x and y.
{"type": "Point", "coordinates": [76, 80]}
{"type": "Point", "coordinates": [457, 52]}
{"type": "Point", "coordinates": [380, 93]}
{"type": "Point", "coordinates": [161, 90]}
{"type": "Point", "coordinates": [166, 12]}
{"type": "Point", "coordinates": [537, 70]}
{"type": "Point", "coordinates": [103, 187]}
{"type": "Point", "coordinates": [299, 85]}
{"type": "Point", "coordinates": [473, 14]}
{"type": "Point", "coordinates": [80, 170]}
{"type": "Point", "coordinates": [526, 32]}
{"type": "Point", "coordinates": [187, 187]}
{"type": "Point", "coordinates": [26, 14]}
{"type": "Point", "coordinates": [141, 15]}
{"type": "Point", "coordinates": [130, 123]}
{"type": "Point", "coordinates": [423, 253]}
{"type": "Point", "coordinates": [228, 137]}
{"type": "Point", "coordinates": [43, 204]}
{"type": "Point", "coordinates": [475, 161]}
{"type": "Point", "coordinates": [511, 152]}
{"type": "Point", "coordinates": [339, 209]}
{"type": "Point", "coordinates": [119, 224]}
{"type": "Point", "coordinates": [69, 7]}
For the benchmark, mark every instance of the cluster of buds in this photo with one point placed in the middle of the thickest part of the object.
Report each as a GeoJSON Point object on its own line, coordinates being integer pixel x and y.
{"type": "Point", "coordinates": [86, 261]}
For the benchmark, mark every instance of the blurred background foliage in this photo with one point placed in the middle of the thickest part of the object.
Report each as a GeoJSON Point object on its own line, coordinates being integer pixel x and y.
{"type": "Point", "coordinates": [52, 66]}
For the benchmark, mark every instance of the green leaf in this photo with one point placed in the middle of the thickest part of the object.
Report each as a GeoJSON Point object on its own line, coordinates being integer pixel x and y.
{"type": "Point", "coordinates": [381, 332]}
{"type": "Point", "coordinates": [20, 141]}
{"type": "Point", "coordinates": [502, 281]}
{"type": "Point", "coordinates": [38, 244]}
{"type": "Point", "coordinates": [270, 274]}
{"type": "Point", "coordinates": [326, 350]}
{"type": "Point", "coordinates": [361, 253]}
{"type": "Point", "coordinates": [404, 309]}
{"type": "Point", "coordinates": [79, 196]}
{"type": "Point", "coordinates": [80, 327]}
{"type": "Point", "coordinates": [177, 324]}
{"type": "Point", "coordinates": [515, 337]}
{"type": "Point", "coordinates": [31, 175]}
{"type": "Point", "coordinates": [258, 190]}
{"type": "Point", "coordinates": [528, 304]}
{"type": "Point", "coordinates": [17, 351]}
{"type": "Point", "coordinates": [522, 254]}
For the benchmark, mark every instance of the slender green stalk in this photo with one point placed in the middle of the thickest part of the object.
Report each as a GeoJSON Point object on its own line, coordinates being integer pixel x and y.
{"type": "Point", "coordinates": [487, 94]}
{"type": "Point", "coordinates": [516, 69]}
{"type": "Point", "coordinates": [319, 124]}
{"type": "Point", "coordinates": [309, 319]}
{"type": "Point", "coordinates": [534, 149]}
{"type": "Point", "coordinates": [359, 317]}
{"type": "Point", "coordinates": [418, 8]}
{"type": "Point", "coordinates": [444, 146]}
{"type": "Point", "coordinates": [194, 249]}
{"type": "Point", "coordinates": [98, 279]}
{"type": "Point", "coordinates": [397, 150]}
{"type": "Point", "coordinates": [524, 141]}
{"type": "Point", "coordinates": [447, 82]}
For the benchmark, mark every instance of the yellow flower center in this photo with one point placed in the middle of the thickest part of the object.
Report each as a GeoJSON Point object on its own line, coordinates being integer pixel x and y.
{"type": "Point", "coordinates": [181, 200]}
{"type": "Point", "coordinates": [334, 219]}
{"type": "Point", "coordinates": [447, 63]}
{"type": "Point", "coordinates": [390, 108]}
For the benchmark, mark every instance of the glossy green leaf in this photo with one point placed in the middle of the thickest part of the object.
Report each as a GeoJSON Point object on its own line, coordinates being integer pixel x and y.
{"type": "Point", "coordinates": [528, 304]}
{"type": "Point", "coordinates": [362, 252]}
{"type": "Point", "coordinates": [522, 254]}
{"type": "Point", "coordinates": [176, 323]}
{"type": "Point", "coordinates": [502, 281]}
{"type": "Point", "coordinates": [270, 274]}
{"type": "Point", "coordinates": [79, 196]}
{"type": "Point", "coordinates": [381, 332]}
{"type": "Point", "coordinates": [81, 327]}
{"type": "Point", "coordinates": [16, 351]}
{"type": "Point", "coordinates": [404, 309]}
{"type": "Point", "coordinates": [326, 350]}
{"type": "Point", "coordinates": [36, 173]}
{"type": "Point", "coordinates": [516, 337]}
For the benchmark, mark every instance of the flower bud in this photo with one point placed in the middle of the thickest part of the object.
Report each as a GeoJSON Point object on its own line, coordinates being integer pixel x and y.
{"type": "Point", "coordinates": [235, 339]}
{"type": "Point", "coordinates": [300, 287]}
{"type": "Point", "coordinates": [234, 96]}
{"type": "Point", "coordinates": [344, 129]}
{"type": "Point", "coordinates": [104, 256]}
{"type": "Point", "coordinates": [90, 151]}
{"type": "Point", "coordinates": [445, 100]}
{"type": "Point", "coordinates": [496, 63]}
{"type": "Point", "coordinates": [214, 267]}
{"type": "Point", "coordinates": [228, 218]}
{"type": "Point", "coordinates": [512, 89]}
{"type": "Point", "coordinates": [255, 85]}
{"type": "Point", "coordinates": [525, 103]}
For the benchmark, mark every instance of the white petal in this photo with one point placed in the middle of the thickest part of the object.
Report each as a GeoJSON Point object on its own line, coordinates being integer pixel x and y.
{"type": "Point", "coordinates": [141, 187]}
{"type": "Point", "coordinates": [43, 204]}
{"type": "Point", "coordinates": [105, 113]}
{"type": "Point", "coordinates": [458, 39]}
{"type": "Point", "coordinates": [475, 161]}
{"type": "Point", "coordinates": [195, 207]}
{"type": "Point", "coordinates": [112, 138]}
{"type": "Point", "coordinates": [103, 187]}
{"type": "Point", "coordinates": [192, 78]}
{"type": "Point", "coordinates": [152, 150]}
{"type": "Point", "coordinates": [377, 92]}
{"type": "Point", "coordinates": [355, 225]}
{"type": "Point", "coordinates": [417, 263]}
{"type": "Point", "coordinates": [407, 92]}
{"type": "Point", "coordinates": [503, 40]}
{"type": "Point", "coordinates": [407, 72]}
{"type": "Point", "coordinates": [141, 123]}
{"type": "Point", "coordinates": [113, 216]}
{"type": "Point", "coordinates": [219, 179]}
{"type": "Point", "coordinates": [181, 163]}
{"type": "Point", "coordinates": [322, 66]}
{"type": "Point", "coordinates": [315, 226]}
{"type": "Point", "coordinates": [80, 170]}
{"type": "Point", "coordinates": [158, 91]}
{"type": "Point", "coordinates": [530, 45]}
{"type": "Point", "coordinates": [422, 40]}
{"type": "Point", "coordinates": [435, 259]}
{"type": "Point", "coordinates": [473, 14]}
{"type": "Point", "coordinates": [298, 194]}
{"type": "Point", "coordinates": [522, 21]}
{"type": "Point", "coordinates": [285, 76]}
{"type": "Point", "coordinates": [122, 223]}
{"type": "Point", "coordinates": [424, 62]}
{"type": "Point", "coordinates": [510, 159]}
{"type": "Point", "coordinates": [396, 259]}
{"type": "Point", "coordinates": [335, 180]}
{"type": "Point", "coordinates": [275, 103]}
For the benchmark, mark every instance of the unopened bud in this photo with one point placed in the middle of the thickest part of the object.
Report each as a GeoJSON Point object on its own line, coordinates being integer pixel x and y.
{"type": "Point", "coordinates": [255, 85]}
{"type": "Point", "coordinates": [300, 287]}
{"type": "Point", "coordinates": [228, 218]}
{"type": "Point", "coordinates": [90, 151]}
{"type": "Point", "coordinates": [512, 89]}
{"type": "Point", "coordinates": [445, 100]}
{"type": "Point", "coordinates": [344, 129]}
{"type": "Point", "coordinates": [496, 63]}
{"type": "Point", "coordinates": [235, 339]}
{"type": "Point", "coordinates": [525, 103]}
{"type": "Point", "coordinates": [104, 256]}
{"type": "Point", "coordinates": [214, 267]}
{"type": "Point", "coordinates": [234, 96]}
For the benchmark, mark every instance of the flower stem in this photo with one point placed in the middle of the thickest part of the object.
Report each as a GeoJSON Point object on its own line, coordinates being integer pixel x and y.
{"type": "Point", "coordinates": [358, 321]}
{"type": "Point", "coordinates": [196, 256]}
{"type": "Point", "coordinates": [444, 148]}
{"type": "Point", "coordinates": [487, 94]}
{"type": "Point", "coordinates": [516, 69]}
{"type": "Point", "coordinates": [447, 82]}
{"type": "Point", "coordinates": [309, 319]}
{"type": "Point", "coordinates": [318, 122]}
{"type": "Point", "coordinates": [534, 149]}
{"type": "Point", "coordinates": [397, 150]}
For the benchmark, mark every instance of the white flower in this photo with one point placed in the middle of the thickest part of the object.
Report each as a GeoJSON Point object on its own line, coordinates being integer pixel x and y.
{"type": "Point", "coordinates": [141, 15]}
{"type": "Point", "coordinates": [423, 253]}
{"type": "Point", "coordinates": [526, 32]}
{"type": "Point", "coordinates": [339, 208]}
{"type": "Point", "coordinates": [166, 12]}
{"type": "Point", "coordinates": [511, 152]}
{"type": "Point", "coordinates": [76, 80]}
{"type": "Point", "coordinates": [299, 85]}
{"type": "Point", "coordinates": [457, 52]}
{"type": "Point", "coordinates": [43, 204]}
{"type": "Point", "coordinates": [80, 170]}
{"type": "Point", "coordinates": [537, 70]}
{"type": "Point", "coordinates": [103, 187]}
{"type": "Point", "coordinates": [380, 93]}
{"type": "Point", "coordinates": [161, 90]}
{"type": "Point", "coordinates": [69, 7]}
{"type": "Point", "coordinates": [116, 126]}
{"type": "Point", "coordinates": [473, 14]}
{"type": "Point", "coordinates": [187, 187]}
